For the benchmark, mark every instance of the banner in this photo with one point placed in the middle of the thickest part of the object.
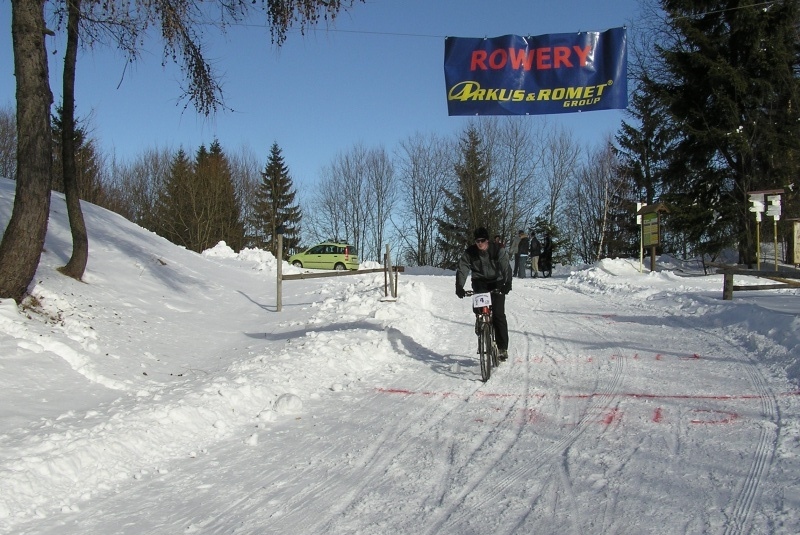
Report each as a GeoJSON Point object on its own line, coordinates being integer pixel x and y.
{"type": "Point", "coordinates": [556, 73]}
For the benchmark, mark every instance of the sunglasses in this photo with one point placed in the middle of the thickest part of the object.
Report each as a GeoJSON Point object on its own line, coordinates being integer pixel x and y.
{"type": "Point", "coordinates": [481, 240]}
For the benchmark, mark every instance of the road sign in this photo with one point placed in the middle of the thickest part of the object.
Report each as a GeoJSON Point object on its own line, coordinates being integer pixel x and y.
{"type": "Point", "coordinates": [650, 229]}
{"type": "Point", "coordinates": [774, 208]}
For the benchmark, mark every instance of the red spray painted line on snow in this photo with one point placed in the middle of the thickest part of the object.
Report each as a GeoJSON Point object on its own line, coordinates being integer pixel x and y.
{"type": "Point", "coordinates": [395, 391]}
{"type": "Point", "coordinates": [717, 397]}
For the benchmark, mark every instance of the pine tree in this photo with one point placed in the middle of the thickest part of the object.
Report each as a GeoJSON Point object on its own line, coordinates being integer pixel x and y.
{"type": "Point", "coordinates": [475, 203]}
{"type": "Point", "coordinates": [274, 205]}
{"type": "Point", "coordinates": [176, 208]}
{"type": "Point", "coordinates": [218, 194]}
{"type": "Point", "coordinates": [731, 87]}
{"type": "Point", "coordinates": [643, 148]}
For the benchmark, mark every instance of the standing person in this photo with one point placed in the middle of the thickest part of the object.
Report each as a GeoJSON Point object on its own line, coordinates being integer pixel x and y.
{"type": "Point", "coordinates": [491, 271]}
{"type": "Point", "coordinates": [534, 250]}
{"type": "Point", "coordinates": [498, 240]}
{"type": "Point", "coordinates": [547, 256]}
{"type": "Point", "coordinates": [513, 250]}
{"type": "Point", "coordinates": [524, 246]}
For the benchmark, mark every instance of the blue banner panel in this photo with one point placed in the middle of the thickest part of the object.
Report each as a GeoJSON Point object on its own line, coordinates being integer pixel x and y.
{"type": "Point", "coordinates": [555, 73]}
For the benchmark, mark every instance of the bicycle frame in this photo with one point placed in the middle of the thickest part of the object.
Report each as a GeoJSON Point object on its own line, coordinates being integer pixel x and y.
{"type": "Point", "coordinates": [484, 328]}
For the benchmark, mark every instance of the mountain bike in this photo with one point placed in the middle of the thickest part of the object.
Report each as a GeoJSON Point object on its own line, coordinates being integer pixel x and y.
{"type": "Point", "coordinates": [487, 347]}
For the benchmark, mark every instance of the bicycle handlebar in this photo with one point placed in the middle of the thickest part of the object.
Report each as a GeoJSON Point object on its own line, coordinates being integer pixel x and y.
{"type": "Point", "coordinates": [472, 292]}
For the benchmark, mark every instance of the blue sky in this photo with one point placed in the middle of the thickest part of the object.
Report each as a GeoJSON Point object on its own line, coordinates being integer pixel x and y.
{"type": "Point", "coordinates": [375, 77]}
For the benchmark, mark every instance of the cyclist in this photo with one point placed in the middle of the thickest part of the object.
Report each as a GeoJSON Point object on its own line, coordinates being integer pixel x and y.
{"type": "Point", "coordinates": [491, 271]}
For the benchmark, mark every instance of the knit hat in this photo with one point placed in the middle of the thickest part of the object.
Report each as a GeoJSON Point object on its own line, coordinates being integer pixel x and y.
{"type": "Point", "coordinates": [481, 233]}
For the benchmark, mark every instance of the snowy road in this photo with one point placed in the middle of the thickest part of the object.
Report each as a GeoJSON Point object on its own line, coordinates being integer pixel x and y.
{"type": "Point", "coordinates": [165, 395]}
{"type": "Point", "coordinates": [616, 413]}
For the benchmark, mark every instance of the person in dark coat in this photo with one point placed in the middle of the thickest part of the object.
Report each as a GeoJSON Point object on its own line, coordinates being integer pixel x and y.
{"type": "Point", "coordinates": [524, 245]}
{"type": "Point", "coordinates": [534, 251]}
{"type": "Point", "coordinates": [491, 271]}
{"type": "Point", "coordinates": [513, 250]}
{"type": "Point", "coordinates": [546, 259]}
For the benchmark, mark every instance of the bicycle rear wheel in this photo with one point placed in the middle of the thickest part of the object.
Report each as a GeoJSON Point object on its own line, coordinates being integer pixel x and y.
{"type": "Point", "coordinates": [485, 351]}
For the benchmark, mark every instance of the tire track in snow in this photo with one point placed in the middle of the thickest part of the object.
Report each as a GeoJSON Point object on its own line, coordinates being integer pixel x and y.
{"type": "Point", "coordinates": [459, 512]}
{"type": "Point", "coordinates": [742, 505]}
{"type": "Point", "coordinates": [761, 460]}
{"type": "Point", "coordinates": [372, 466]}
{"type": "Point", "coordinates": [493, 434]}
{"type": "Point", "coordinates": [603, 400]}
{"type": "Point", "coordinates": [368, 468]}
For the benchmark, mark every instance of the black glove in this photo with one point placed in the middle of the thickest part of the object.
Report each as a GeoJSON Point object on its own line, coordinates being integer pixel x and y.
{"type": "Point", "coordinates": [460, 291]}
{"type": "Point", "coordinates": [506, 288]}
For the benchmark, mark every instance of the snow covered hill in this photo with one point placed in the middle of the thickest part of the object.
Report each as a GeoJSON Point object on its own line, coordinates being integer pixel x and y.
{"type": "Point", "coordinates": [165, 394]}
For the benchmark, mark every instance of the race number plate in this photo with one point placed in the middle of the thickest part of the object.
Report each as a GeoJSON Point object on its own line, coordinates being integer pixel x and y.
{"type": "Point", "coordinates": [481, 300]}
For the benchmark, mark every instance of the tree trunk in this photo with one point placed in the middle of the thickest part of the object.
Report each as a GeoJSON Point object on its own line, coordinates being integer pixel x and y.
{"type": "Point", "coordinates": [80, 241]}
{"type": "Point", "coordinates": [23, 239]}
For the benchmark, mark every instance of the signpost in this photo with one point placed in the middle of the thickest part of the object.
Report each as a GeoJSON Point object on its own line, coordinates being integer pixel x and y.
{"type": "Point", "coordinates": [639, 206]}
{"type": "Point", "coordinates": [773, 196]}
{"type": "Point", "coordinates": [279, 290]}
{"type": "Point", "coordinates": [758, 207]}
{"type": "Point", "coordinates": [651, 228]}
{"type": "Point", "coordinates": [774, 210]}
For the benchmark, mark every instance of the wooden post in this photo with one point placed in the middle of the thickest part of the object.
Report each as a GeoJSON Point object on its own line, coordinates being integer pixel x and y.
{"type": "Point", "coordinates": [279, 288]}
{"type": "Point", "coordinates": [758, 245]}
{"type": "Point", "coordinates": [775, 234]}
{"type": "Point", "coordinates": [385, 277]}
{"type": "Point", "coordinates": [727, 286]}
{"type": "Point", "coordinates": [391, 273]}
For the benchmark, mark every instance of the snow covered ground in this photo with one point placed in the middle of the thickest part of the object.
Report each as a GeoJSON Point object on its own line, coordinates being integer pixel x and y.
{"type": "Point", "coordinates": [166, 395]}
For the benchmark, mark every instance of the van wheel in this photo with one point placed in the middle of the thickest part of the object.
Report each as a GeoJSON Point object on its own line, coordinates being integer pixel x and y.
{"type": "Point", "coordinates": [297, 264]}
{"type": "Point", "coordinates": [339, 266]}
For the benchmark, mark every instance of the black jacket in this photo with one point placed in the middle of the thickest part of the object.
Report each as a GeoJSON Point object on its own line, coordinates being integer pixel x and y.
{"type": "Point", "coordinates": [523, 245]}
{"type": "Point", "coordinates": [536, 247]}
{"type": "Point", "coordinates": [490, 270]}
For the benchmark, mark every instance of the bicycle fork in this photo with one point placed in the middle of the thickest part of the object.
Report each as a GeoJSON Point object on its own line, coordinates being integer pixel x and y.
{"type": "Point", "coordinates": [483, 318]}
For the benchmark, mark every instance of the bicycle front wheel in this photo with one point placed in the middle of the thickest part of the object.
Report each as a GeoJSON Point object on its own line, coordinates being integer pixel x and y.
{"type": "Point", "coordinates": [485, 351]}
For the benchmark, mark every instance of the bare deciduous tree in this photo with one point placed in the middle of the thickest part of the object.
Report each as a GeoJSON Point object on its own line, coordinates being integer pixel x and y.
{"type": "Point", "coordinates": [425, 171]}
{"type": "Point", "coordinates": [80, 239]}
{"type": "Point", "coordinates": [561, 158]}
{"type": "Point", "coordinates": [23, 238]}
{"type": "Point", "coordinates": [592, 194]}
{"type": "Point", "coordinates": [323, 210]}
{"type": "Point", "coordinates": [246, 175]}
{"type": "Point", "coordinates": [349, 173]}
{"type": "Point", "coordinates": [380, 197]}
{"type": "Point", "coordinates": [135, 187]}
{"type": "Point", "coordinates": [354, 201]}
{"type": "Point", "coordinates": [514, 149]}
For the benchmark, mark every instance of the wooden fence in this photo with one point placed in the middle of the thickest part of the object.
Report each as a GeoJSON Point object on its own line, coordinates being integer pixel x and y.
{"type": "Point", "coordinates": [783, 279]}
{"type": "Point", "coordinates": [389, 275]}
